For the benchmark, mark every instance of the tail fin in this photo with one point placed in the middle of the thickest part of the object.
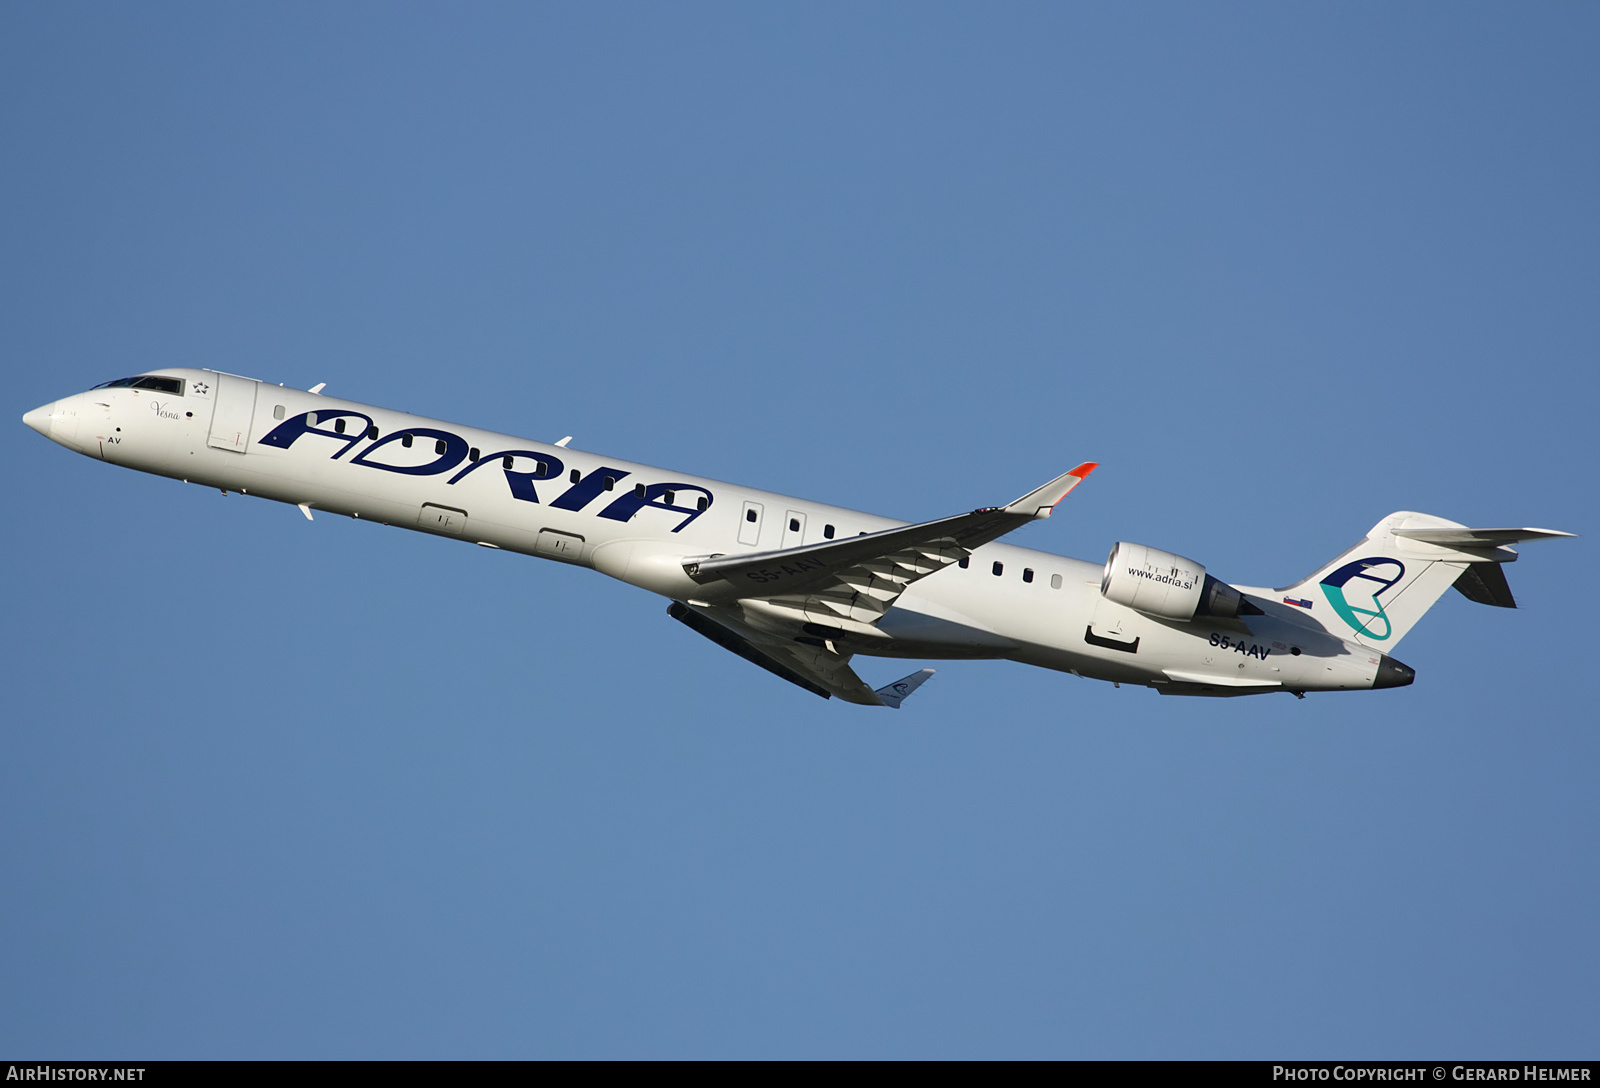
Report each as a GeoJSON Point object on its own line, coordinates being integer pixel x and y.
{"type": "Point", "coordinates": [1376, 592]}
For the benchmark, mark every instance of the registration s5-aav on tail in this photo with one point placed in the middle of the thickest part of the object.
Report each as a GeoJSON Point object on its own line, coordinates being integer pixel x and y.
{"type": "Point", "coordinates": [799, 587]}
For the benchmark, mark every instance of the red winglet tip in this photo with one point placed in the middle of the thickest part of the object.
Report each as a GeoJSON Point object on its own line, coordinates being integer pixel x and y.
{"type": "Point", "coordinates": [1084, 469]}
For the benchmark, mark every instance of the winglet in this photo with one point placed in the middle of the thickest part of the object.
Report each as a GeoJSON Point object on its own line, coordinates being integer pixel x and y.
{"type": "Point", "coordinates": [896, 693]}
{"type": "Point", "coordinates": [1039, 502]}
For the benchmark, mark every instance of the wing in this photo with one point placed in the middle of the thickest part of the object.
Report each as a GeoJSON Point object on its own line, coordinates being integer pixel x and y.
{"type": "Point", "coordinates": [796, 610]}
{"type": "Point", "coordinates": [898, 692]}
{"type": "Point", "coordinates": [845, 586]}
{"type": "Point", "coordinates": [816, 668]}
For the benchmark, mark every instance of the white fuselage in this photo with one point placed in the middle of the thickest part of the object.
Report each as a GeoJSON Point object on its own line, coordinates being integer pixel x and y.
{"type": "Point", "coordinates": [552, 502]}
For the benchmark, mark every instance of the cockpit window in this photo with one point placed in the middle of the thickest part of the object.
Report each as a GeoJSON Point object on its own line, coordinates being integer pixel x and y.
{"type": "Point", "coordinates": [172, 386]}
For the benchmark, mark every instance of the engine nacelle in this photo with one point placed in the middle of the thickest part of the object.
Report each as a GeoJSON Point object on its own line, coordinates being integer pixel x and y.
{"type": "Point", "coordinates": [1159, 583]}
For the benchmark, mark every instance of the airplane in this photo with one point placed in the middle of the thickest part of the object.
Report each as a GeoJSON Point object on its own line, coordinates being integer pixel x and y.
{"type": "Point", "coordinates": [794, 586]}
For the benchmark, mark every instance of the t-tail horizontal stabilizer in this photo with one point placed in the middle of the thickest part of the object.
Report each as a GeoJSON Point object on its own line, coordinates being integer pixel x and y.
{"type": "Point", "coordinates": [1464, 537]}
{"type": "Point", "coordinates": [1483, 581]}
{"type": "Point", "coordinates": [896, 693]}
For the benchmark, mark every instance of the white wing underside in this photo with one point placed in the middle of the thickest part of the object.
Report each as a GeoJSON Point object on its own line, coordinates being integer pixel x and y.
{"type": "Point", "coordinates": [811, 666]}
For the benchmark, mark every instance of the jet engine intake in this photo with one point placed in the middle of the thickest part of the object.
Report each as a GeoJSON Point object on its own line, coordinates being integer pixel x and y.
{"type": "Point", "coordinates": [1159, 583]}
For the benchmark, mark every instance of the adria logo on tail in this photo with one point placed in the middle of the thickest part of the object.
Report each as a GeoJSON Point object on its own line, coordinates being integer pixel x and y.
{"type": "Point", "coordinates": [1369, 579]}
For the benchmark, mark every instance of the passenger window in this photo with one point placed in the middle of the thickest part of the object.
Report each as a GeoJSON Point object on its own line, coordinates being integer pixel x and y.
{"type": "Point", "coordinates": [507, 461]}
{"type": "Point", "coordinates": [638, 489]}
{"type": "Point", "coordinates": [670, 496]}
{"type": "Point", "coordinates": [372, 431]}
{"type": "Point", "coordinates": [338, 426]}
{"type": "Point", "coordinates": [575, 476]}
{"type": "Point", "coordinates": [999, 569]}
{"type": "Point", "coordinates": [277, 412]}
{"type": "Point", "coordinates": [704, 502]}
{"type": "Point", "coordinates": [749, 515]}
{"type": "Point", "coordinates": [1055, 581]}
{"type": "Point", "coordinates": [611, 481]}
{"type": "Point", "coordinates": [472, 454]}
{"type": "Point", "coordinates": [794, 525]}
{"type": "Point", "coordinates": [827, 532]}
{"type": "Point", "coordinates": [541, 467]}
{"type": "Point", "coordinates": [405, 440]}
{"type": "Point", "coordinates": [1027, 574]}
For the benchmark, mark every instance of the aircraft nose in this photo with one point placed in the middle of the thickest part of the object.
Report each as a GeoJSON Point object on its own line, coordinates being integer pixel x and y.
{"type": "Point", "coordinates": [1392, 674]}
{"type": "Point", "coordinates": [39, 419]}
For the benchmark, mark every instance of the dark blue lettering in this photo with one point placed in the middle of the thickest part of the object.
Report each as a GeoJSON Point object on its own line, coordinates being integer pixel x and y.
{"type": "Point", "coordinates": [655, 495]}
{"type": "Point", "coordinates": [455, 452]}
{"type": "Point", "coordinates": [284, 434]}
{"type": "Point", "coordinates": [588, 488]}
{"type": "Point", "coordinates": [545, 467]}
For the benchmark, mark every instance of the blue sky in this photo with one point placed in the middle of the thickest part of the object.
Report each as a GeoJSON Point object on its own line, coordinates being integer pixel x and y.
{"type": "Point", "coordinates": [279, 789]}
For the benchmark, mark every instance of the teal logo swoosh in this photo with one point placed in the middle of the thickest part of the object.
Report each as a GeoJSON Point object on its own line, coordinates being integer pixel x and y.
{"type": "Point", "coordinates": [1369, 579]}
